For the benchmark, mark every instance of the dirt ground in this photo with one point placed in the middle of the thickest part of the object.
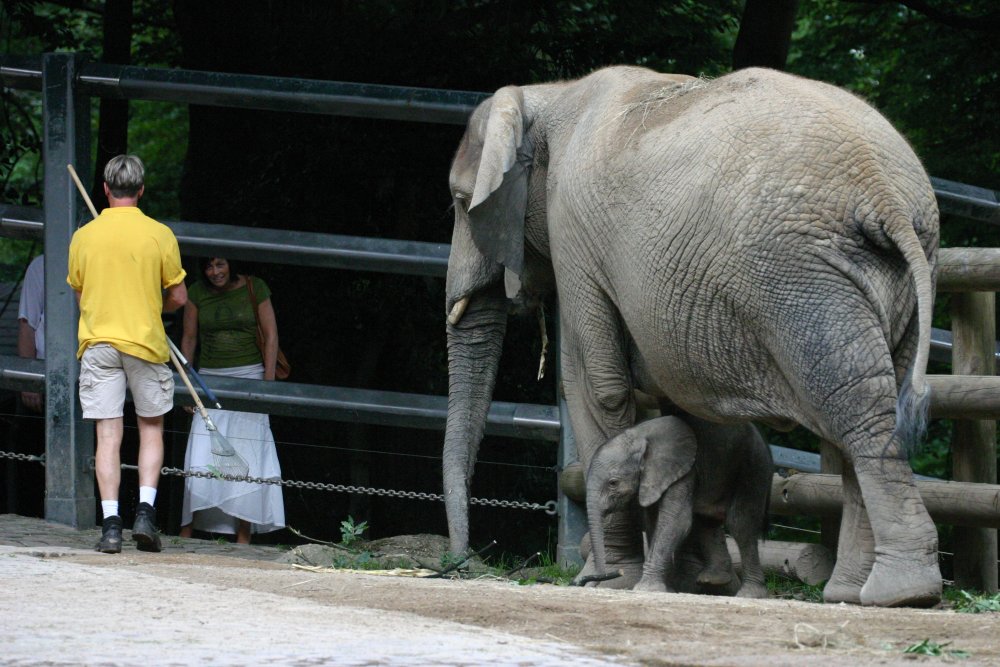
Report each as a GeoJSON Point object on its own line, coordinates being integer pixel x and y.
{"type": "Point", "coordinates": [613, 627]}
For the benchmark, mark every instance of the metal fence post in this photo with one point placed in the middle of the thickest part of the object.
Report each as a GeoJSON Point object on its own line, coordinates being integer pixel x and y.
{"type": "Point", "coordinates": [572, 517]}
{"type": "Point", "coordinates": [69, 442]}
{"type": "Point", "coordinates": [974, 442]}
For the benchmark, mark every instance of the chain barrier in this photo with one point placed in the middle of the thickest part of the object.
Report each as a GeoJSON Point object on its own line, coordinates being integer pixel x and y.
{"type": "Point", "coordinates": [549, 507]}
{"type": "Point", "coordinates": [22, 457]}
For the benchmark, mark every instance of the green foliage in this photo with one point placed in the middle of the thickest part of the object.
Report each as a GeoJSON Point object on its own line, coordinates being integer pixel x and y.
{"type": "Point", "coordinates": [787, 588]}
{"type": "Point", "coordinates": [932, 648]}
{"type": "Point", "coordinates": [970, 603]}
{"type": "Point", "coordinates": [350, 532]}
{"type": "Point", "coordinates": [552, 572]}
{"type": "Point", "coordinates": [449, 560]}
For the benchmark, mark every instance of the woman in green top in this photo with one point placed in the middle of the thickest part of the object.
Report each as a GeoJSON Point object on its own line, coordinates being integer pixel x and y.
{"type": "Point", "coordinates": [219, 319]}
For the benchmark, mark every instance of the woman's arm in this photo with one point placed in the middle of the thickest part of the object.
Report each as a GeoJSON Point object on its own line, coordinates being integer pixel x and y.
{"type": "Point", "coordinates": [269, 327]}
{"type": "Point", "coordinates": [189, 339]}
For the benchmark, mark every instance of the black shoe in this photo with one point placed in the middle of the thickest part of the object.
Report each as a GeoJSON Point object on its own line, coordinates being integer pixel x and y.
{"type": "Point", "coordinates": [144, 529]}
{"type": "Point", "coordinates": [111, 536]}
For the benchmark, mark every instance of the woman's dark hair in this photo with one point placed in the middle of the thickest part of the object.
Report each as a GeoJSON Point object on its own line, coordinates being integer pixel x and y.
{"type": "Point", "coordinates": [235, 269]}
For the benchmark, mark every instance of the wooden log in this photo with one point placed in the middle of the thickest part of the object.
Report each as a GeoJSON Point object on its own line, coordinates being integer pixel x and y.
{"type": "Point", "coordinates": [806, 562]}
{"type": "Point", "coordinates": [965, 396]}
{"type": "Point", "coordinates": [973, 442]}
{"type": "Point", "coordinates": [831, 462]}
{"type": "Point", "coordinates": [968, 270]}
{"type": "Point", "coordinates": [953, 503]}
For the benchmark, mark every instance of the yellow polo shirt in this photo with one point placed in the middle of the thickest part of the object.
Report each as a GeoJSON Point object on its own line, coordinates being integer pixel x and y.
{"type": "Point", "coordinates": [120, 262]}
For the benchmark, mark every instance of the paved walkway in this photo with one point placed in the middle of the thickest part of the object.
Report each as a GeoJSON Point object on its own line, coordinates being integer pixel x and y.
{"type": "Point", "coordinates": [61, 604]}
{"type": "Point", "coordinates": [31, 533]}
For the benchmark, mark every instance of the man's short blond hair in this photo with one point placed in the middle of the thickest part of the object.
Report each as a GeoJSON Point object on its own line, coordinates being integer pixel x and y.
{"type": "Point", "coordinates": [124, 175]}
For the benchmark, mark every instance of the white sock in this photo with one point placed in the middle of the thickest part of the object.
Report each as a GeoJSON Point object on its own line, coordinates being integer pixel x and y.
{"type": "Point", "coordinates": [147, 494]}
{"type": "Point", "coordinates": [109, 508]}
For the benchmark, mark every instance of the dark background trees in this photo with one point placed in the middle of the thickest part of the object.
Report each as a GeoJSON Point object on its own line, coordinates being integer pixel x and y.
{"type": "Point", "coordinates": [928, 66]}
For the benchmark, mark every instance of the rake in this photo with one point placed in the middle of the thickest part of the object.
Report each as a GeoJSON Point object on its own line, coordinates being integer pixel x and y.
{"type": "Point", "coordinates": [227, 461]}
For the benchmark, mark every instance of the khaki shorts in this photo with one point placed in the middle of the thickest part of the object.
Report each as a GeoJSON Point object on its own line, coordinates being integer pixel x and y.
{"type": "Point", "coordinates": [104, 372]}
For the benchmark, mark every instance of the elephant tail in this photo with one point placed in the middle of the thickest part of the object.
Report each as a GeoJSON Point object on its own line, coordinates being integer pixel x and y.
{"type": "Point", "coordinates": [913, 403]}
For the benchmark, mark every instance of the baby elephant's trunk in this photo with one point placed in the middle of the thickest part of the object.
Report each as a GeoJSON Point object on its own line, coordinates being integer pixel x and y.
{"type": "Point", "coordinates": [595, 517]}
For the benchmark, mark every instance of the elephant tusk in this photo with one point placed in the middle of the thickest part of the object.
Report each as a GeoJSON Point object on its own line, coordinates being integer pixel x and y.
{"type": "Point", "coordinates": [458, 310]}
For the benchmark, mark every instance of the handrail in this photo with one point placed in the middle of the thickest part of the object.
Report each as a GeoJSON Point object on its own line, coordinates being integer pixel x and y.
{"type": "Point", "coordinates": [248, 91]}
{"type": "Point", "coordinates": [432, 105]}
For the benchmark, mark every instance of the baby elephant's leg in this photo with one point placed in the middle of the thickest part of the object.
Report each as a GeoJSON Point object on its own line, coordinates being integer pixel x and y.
{"type": "Point", "coordinates": [718, 569]}
{"type": "Point", "coordinates": [668, 524]}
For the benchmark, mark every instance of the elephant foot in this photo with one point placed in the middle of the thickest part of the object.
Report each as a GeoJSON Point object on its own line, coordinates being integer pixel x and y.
{"type": "Point", "coordinates": [901, 582]}
{"type": "Point", "coordinates": [849, 574]}
{"type": "Point", "coordinates": [842, 591]}
{"type": "Point", "coordinates": [652, 583]}
{"type": "Point", "coordinates": [714, 577]}
{"type": "Point", "coordinates": [631, 574]}
{"type": "Point", "coordinates": [754, 590]}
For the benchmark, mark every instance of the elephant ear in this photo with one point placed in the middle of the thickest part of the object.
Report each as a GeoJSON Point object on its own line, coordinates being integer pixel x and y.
{"type": "Point", "coordinates": [671, 448]}
{"type": "Point", "coordinates": [500, 196]}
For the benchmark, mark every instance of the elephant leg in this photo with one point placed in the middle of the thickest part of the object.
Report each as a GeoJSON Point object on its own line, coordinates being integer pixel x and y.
{"type": "Point", "coordinates": [745, 534]}
{"type": "Point", "coordinates": [855, 546]}
{"type": "Point", "coordinates": [669, 525]}
{"type": "Point", "coordinates": [718, 568]}
{"type": "Point", "coordinates": [906, 570]}
{"type": "Point", "coordinates": [599, 395]}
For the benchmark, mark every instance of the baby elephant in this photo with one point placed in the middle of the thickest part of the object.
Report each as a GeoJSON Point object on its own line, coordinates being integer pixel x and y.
{"type": "Point", "coordinates": [690, 477]}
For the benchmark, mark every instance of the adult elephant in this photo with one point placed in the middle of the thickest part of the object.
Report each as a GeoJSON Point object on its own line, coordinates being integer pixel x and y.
{"type": "Point", "coordinates": [756, 247]}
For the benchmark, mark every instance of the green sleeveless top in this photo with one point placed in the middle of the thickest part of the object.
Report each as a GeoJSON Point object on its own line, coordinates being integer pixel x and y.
{"type": "Point", "coordinates": [227, 328]}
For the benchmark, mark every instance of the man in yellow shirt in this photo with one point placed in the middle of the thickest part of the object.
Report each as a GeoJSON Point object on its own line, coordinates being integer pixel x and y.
{"type": "Point", "coordinates": [126, 270]}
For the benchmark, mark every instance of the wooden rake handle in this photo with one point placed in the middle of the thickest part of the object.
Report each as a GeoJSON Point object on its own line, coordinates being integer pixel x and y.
{"type": "Point", "coordinates": [83, 192]}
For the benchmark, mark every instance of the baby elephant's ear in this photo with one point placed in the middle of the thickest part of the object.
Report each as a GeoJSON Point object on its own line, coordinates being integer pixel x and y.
{"type": "Point", "coordinates": [670, 454]}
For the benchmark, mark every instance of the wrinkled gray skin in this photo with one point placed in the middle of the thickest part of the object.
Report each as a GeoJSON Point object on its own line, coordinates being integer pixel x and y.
{"type": "Point", "coordinates": [688, 480]}
{"type": "Point", "coordinates": [757, 247]}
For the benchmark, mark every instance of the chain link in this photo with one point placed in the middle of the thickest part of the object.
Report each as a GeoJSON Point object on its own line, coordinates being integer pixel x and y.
{"type": "Point", "coordinates": [22, 457]}
{"type": "Point", "coordinates": [549, 507]}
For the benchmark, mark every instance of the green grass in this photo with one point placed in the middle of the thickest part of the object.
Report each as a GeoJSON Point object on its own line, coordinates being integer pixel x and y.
{"type": "Point", "coordinates": [928, 647]}
{"type": "Point", "coordinates": [791, 589]}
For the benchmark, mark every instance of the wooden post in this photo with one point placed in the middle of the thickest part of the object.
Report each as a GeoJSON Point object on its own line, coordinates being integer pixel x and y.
{"type": "Point", "coordinates": [809, 563]}
{"type": "Point", "coordinates": [974, 442]}
{"type": "Point", "coordinates": [951, 503]}
{"type": "Point", "coordinates": [831, 461]}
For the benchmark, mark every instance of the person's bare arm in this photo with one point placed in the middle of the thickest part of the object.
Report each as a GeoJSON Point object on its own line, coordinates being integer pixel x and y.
{"type": "Point", "coordinates": [189, 339]}
{"type": "Point", "coordinates": [26, 348]}
{"type": "Point", "coordinates": [269, 327]}
{"type": "Point", "coordinates": [176, 297]}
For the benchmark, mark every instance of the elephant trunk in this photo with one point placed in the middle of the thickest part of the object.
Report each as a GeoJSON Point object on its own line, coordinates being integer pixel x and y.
{"type": "Point", "coordinates": [474, 345]}
{"type": "Point", "coordinates": [595, 518]}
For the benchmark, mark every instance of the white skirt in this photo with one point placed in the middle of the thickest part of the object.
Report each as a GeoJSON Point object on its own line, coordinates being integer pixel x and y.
{"type": "Point", "coordinates": [215, 505]}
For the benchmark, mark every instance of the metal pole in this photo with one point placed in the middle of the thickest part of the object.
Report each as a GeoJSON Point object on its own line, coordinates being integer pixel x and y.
{"type": "Point", "coordinates": [572, 517]}
{"type": "Point", "coordinates": [69, 442]}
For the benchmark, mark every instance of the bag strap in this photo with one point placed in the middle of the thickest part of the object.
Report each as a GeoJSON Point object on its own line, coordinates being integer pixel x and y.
{"type": "Point", "coordinates": [253, 299]}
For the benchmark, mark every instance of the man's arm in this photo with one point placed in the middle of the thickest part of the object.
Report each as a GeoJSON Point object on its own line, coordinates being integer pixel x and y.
{"type": "Point", "coordinates": [26, 348]}
{"type": "Point", "coordinates": [176, 297]}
